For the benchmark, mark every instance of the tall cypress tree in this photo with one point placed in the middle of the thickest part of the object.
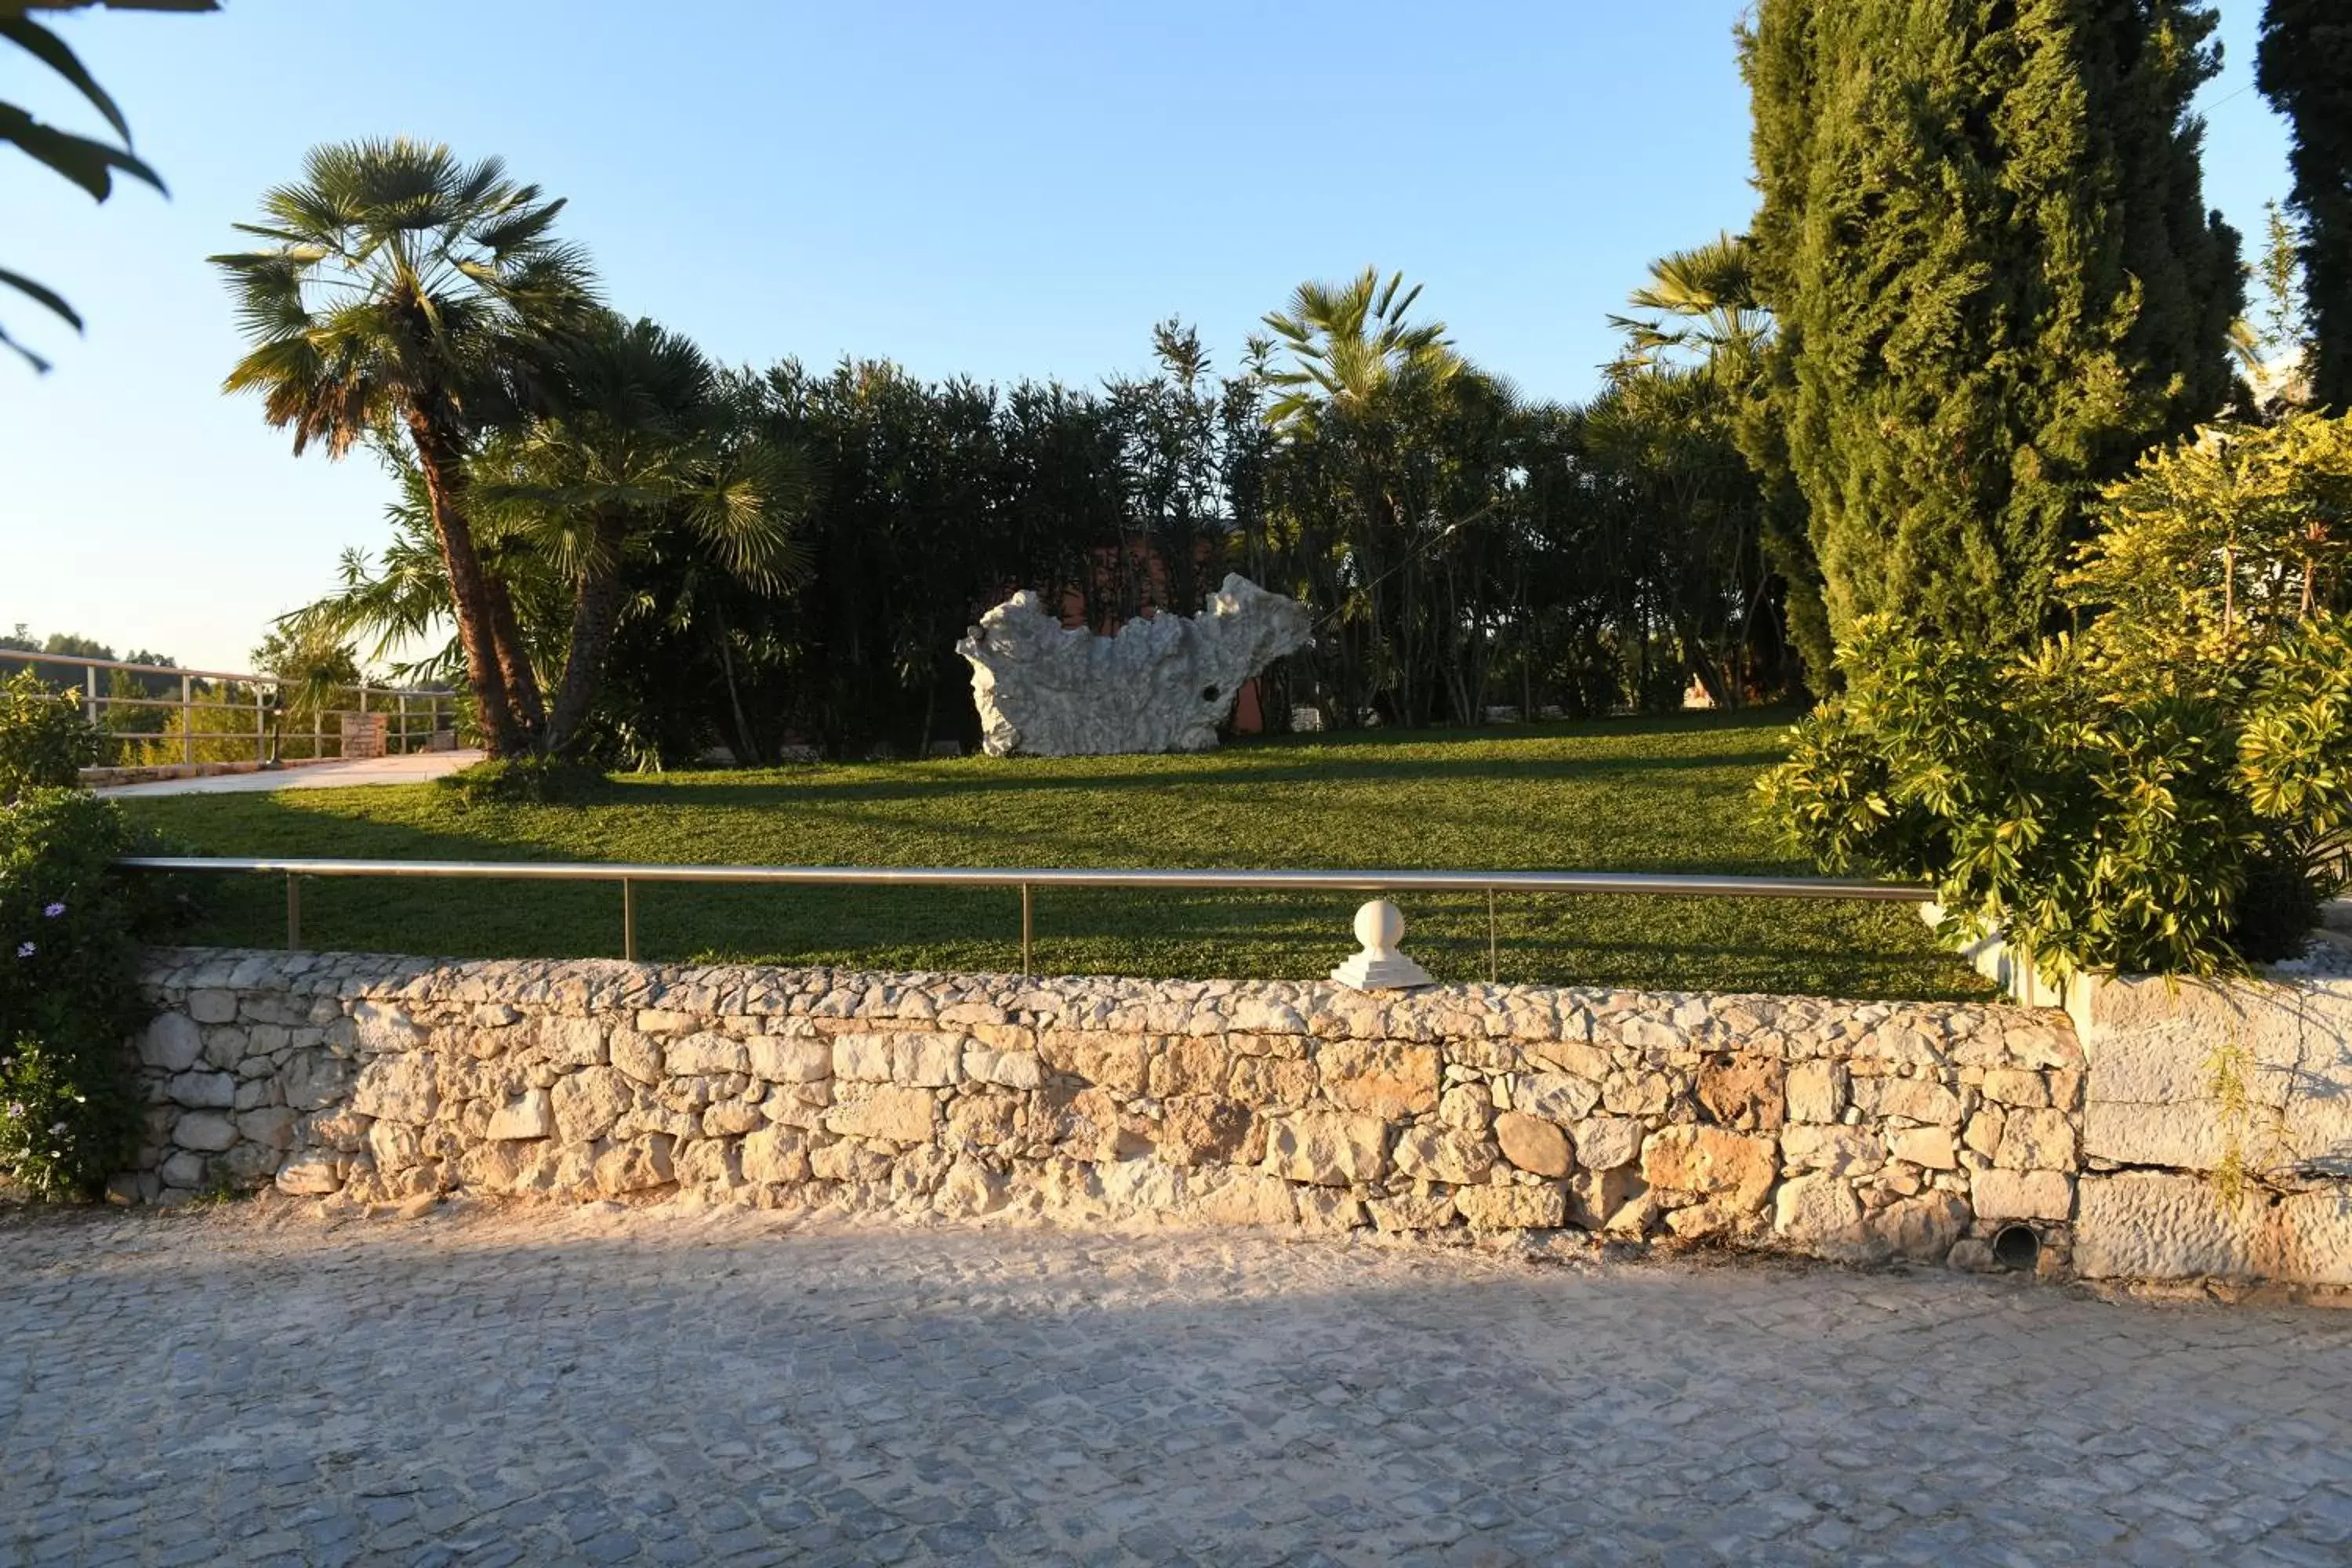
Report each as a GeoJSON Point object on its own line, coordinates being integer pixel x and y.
{"type": "Point", "coordinates": [1984, 236]}
{"type": "Point", "coordinates": [2304, 69]}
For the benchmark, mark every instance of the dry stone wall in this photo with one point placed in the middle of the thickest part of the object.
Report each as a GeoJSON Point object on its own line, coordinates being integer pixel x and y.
{"type": "Point", "coordinates": [1850, 1130]}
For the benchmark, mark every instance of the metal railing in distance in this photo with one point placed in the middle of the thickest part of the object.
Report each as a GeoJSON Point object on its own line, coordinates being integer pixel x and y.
{"type": "Point", "coordinates": [1644, 884]}
{"type": "Point", "coordinates": [400, 707]}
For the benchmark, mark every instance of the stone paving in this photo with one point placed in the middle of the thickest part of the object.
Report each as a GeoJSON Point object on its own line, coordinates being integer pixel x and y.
{"type": "Point", "coordinates": [261, 1383]}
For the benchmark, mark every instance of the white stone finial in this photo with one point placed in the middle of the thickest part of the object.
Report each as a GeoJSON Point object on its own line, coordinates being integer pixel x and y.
{"type": "Point", "coordinates": [1380, 926]}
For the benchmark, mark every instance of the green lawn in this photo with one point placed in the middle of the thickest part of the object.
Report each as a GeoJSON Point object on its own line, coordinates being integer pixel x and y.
{"type": "Point", "coordinates": [1639, 795]}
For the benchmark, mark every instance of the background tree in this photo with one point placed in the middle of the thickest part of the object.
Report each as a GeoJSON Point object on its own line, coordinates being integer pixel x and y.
{"type": "Point", "coordinates": [400, 297]}
{"type": "Point", "coordinates": [2304, 69]}
{"type": "Point", "coordinates": [87, 162]}
{"type": "Point", "coordinates": [1983, 239]}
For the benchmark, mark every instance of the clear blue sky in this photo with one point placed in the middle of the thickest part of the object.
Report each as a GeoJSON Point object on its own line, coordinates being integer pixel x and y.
{"type": "Point", "coordinates": [1015, 189]}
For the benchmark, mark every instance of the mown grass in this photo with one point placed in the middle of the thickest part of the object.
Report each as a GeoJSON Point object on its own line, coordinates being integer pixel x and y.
{"type": "Point", "coordinates": [1669, 794]}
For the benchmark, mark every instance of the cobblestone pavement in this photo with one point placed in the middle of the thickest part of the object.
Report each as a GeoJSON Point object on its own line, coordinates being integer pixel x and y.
{"type": "Point", "coordinates": [258, 1383]}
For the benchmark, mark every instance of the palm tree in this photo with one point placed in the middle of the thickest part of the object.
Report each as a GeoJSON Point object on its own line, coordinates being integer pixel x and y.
{"type": "Point", "coordinates": [400, 293]}
{"type": "Point", "coordinates": [1351, 348]}
{"type": "Point", "coordinates": [640, 433]}
{"type": "Point", "coordinates": [1703, 299]}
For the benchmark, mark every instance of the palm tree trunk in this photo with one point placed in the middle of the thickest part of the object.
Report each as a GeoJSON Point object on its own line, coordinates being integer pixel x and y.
{"type": "Point", "coordinates": [597, 602]}
{"type": "Point", "coordinates": [514, 663]}
{"type": "Point", "coordinates": [469, 587]}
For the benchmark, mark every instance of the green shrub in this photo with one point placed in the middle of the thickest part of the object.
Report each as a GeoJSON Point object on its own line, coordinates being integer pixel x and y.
{"type": "Point", "coordinates": [68, 1113]}
{"type": "Point", "coordinates": [45, 739]}
{"type": "Point", "coordinates": [526, 781]}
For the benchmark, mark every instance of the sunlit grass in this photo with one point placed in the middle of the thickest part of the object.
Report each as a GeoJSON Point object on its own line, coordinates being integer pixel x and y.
{"type": "Point", "coordinates": [1639, 795]}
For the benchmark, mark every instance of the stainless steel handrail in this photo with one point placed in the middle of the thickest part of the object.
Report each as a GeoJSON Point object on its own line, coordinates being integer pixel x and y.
{"type": "Point", "coordinates": [1028, 878]}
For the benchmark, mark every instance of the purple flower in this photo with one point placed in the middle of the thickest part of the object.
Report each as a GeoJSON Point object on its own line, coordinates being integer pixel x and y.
{"type": "Point", "coordinates": [53, 911]}
{"type": "Point", "coordinates": [57, 1131]}
{"type": "Point", "coordinates": [25, 949]}
{"type": "Point", "coordinates": [16, 1109]}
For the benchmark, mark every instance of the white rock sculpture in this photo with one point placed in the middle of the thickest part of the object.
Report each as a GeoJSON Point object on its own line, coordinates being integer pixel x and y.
{"type": "Point", "coordinates": [1380, 926]}
{"type": "Point", "coordinates": [1161, 685]}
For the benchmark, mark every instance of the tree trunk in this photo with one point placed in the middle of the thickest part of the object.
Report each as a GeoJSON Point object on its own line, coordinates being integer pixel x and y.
{"type": "Point", "coordinates": [469, 586]}
{"type": "Point", "coordinates": [514, 664]}
{"type": "Point", "coordinates": [595, 614]}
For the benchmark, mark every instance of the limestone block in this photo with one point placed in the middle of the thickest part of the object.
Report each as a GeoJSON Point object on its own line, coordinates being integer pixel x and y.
{"type": "Point", "coordinates": [899, 1113]}
{"type": "Point", "coordinates": [1555, 1096]}
{"type": "Point", "coordinates": [1327, 1148]}
{"type": "Point", "coordinates": [662, 1021]}
{"type": "Point", "coordinates": [730, 1117]}
{"type": "Point", "coordinates": [1199, 1129]}
{"type": "Point", "coordinates": [1531, 1143]}
{"type": "Point", "coordinates": [2143, 1224]}
{"type": "Point", "coordinates": [1816, 1091]}
{"type": "Point", "coordinates": [984, 1120]}
{"type": "Point", "coordinates": [2311, 1238]}
{"type": "Point", "coordinates": [775, 1154]}
{"type": "Point", "coordinates": [343, 1131]}
{"type": "Point", "coordinates": [171, 1041]}
{"type": "Point", "coordinates": [1011, 1068]}
{"type": "Point", "coordinates": [312, 1174]}
{"type": "Point", "coordinates": [1932, 1147]}
{"type": "Point", "coordinates": [186, 1170]}
{"type": "Point", "coordinates": [1913, 1099]}
{"type": "Point", "coordinates": [225, 1045]}
{"type": "Point", "coordinates": [1271, 1082]}
{"type": "Point", "coordinates": [587, 1102]}
{"type": "Point", "coordinates": [1468, 1105]}
{"type": "Point", "coordinates": [2189, 1135]}
{"type": "Point", "coordinates": [572, 1042]}
{"type": "Point", "coordinates": [861, 1058]}
{"type": "Point", "coordinates": [314, 1079]}
{"type": "Point", "coordinates": [926, 1060]}
{"type": "Point", "coordinates": [1113, 1060]}
{"type": "Point", "coordinates": [1413, 1210]}
{"type": "Point", "coordinates": [205, 1091]}
{"type": "Point", "coordinates": [532, 1116]}
{"type": "Point", "coordinates": [1513, 1208]}
{"type": "Point", "coordinates": [1439, 1153]}
{"type": "Point", "coordinates": [636, 1166]}
{"type": "Point", "coordinates": [1164, 683]}
{"type": "Point", "coordinates": [1637, 1093]}
{"type": "Point", "coordinates": [2016, 1085]}
{"type": "Point", "coordinates": [207, 1132]}
{"type": "Point", "coordinates": [376, 1026]}
{"type": "Point", "coordinates": [1606, 1142]}
{"type": "Point", "coordinates": [1840, 1150]}
{"type": "Point", "coordinates": [1984, 1134]}
{"type": "Point", "coordinates": [970, 1188]}
{"type": "Point", "coordinates": [397, 1087]}
{"type": "Point", "coordinates": [1379, 1079]}
{"type": "Point", "coordinates": [269, 1127]}
{"type": "Point", "coordinates": [705, 1053]}
{"type": "Point", "coordinates": [1743, 1089]}
{"type": "Point", "coordinates": [2021, 1194]}
{"type": "Point", "coordinates": [1578, 1058]}
{"type": "Point", "coordinates": [2036, 1140]}
{"type": "Point", "coordinates": [1185, 1064]}
{"type": "Point", "coordinates": [1615, 1200]}
{"type": "Point", "coordinates": [779, 1058]}
{"type": "Point", "coordinates": [1818, 1213]}
{"type": "Point", "coordinates": [1249, 1199]}
{"type": "Point", "coordinates": [1713, 1162]}
{"type": "Point", "coordinates": [213, 1006]}
{"type": "Point", "coordinates": [640, 1056]}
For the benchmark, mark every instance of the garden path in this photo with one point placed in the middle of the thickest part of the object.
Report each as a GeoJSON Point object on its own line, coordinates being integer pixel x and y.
{"type": "Point", "coordinates": [260, 1384]}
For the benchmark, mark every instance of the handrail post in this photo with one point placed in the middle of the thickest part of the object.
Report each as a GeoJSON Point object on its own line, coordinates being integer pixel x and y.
{"type": "Point", "coordinates": [1028, 965]}
{"type": "Point", "coordinates": [629, 920]}
{"type": "Point", "coordinates": [187, 719]}
{"type": "Point", "coordinates": [293, 912]}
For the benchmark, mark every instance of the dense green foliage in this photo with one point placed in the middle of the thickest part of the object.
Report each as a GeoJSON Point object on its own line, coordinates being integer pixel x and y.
{"type": "Point", "coordinates": [2304, 69]}
{"type": "Point", "coordinates": [45, 739]}
{"type": "Point", "coordinates": [1633, 794]}
{"type": "Point", "coordinates": [1460, 550]}
{"type": "Point", "coordinates": [68, 1118]}
{"type": "Point", "coordinates": [1984, 242]}
{"type": "Point", "coordinates": [2170, 789]}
